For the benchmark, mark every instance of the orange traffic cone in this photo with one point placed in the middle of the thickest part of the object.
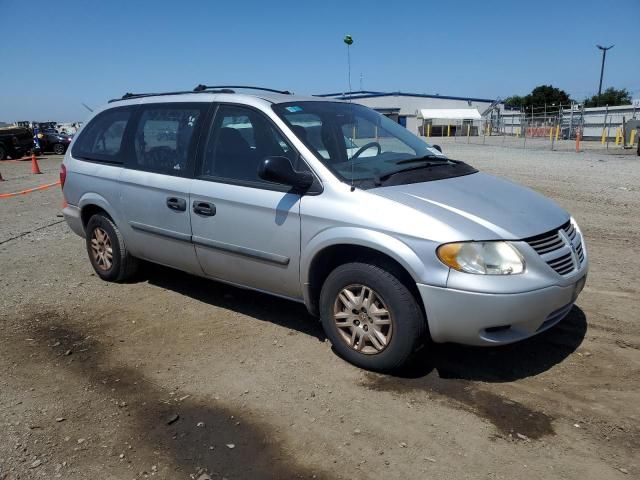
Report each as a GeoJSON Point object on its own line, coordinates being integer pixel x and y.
{"type": "Point", "coordinates": [35, 168]}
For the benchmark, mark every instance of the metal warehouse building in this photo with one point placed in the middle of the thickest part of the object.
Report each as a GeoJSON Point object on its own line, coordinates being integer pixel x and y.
{"type": "Point", "coordinates": [416, 111]}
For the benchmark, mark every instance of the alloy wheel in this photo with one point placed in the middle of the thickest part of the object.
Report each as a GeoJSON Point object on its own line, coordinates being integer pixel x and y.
{"type": "Point", "coordinates": [363, 320]}
{"type": "Point", "coordinates": [101, 249]}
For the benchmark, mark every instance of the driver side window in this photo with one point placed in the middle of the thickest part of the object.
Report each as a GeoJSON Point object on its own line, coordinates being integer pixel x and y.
{"type": "Point", "coordinates": [240, 139]}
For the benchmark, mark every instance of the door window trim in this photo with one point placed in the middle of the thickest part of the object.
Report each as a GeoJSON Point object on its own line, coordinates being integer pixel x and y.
{"type": "Point", "coordinates": [315, 189]}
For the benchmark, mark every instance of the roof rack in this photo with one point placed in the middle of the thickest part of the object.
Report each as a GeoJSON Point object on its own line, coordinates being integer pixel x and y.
{"type": "Point", "coordinates": [202, 88]}
{"type": "Point", "coordinates": [198, 89]}
{"type": "Point", "coordinates": [128, 96]}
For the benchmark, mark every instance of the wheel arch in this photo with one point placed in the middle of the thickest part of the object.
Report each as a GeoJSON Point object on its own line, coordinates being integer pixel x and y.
{"type": "Point", "coordinates": [338, 246]}
{"type": "Point", "coordinates": [92, 203]}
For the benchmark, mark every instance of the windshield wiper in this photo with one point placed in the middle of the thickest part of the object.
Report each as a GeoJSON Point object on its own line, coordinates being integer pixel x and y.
{"type": "Point", "coordinates": [422, 159]}
{"type": "Point", "coordinates": [379, 179]}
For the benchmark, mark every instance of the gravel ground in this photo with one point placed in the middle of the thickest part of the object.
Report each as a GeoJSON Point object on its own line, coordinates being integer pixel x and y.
{"type": "Point", "coordinates": [172, 376]}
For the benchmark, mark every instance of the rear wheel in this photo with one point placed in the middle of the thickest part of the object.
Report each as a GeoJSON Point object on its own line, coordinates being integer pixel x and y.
{"type": "Point", "coordinates": [370, 316]}
{"type": "Point", "coordinates": [3, 152]}
{"type": "Point", "coordinates": [107, 251]}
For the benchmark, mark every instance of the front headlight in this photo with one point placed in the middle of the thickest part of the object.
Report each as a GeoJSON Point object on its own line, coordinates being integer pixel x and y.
{"type": "Point", "coordinates": [484, 258]}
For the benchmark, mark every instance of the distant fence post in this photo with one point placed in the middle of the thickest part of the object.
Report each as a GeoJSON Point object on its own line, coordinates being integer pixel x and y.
{"type": "Point", "coordinates": [570, 121]}
{"type": "Point", "coordinates": [604, 128]}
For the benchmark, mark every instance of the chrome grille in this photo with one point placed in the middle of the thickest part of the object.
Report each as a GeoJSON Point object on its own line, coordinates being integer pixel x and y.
{"type": "Point", "coordinates": [563, 264]}
{"type": "Point", "coordinates": [557, 248]}
{"type": "Point", "coordinates": [548, 244]}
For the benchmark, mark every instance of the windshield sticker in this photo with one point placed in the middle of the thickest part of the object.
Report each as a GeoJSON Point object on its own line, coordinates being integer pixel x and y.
{"type": "Point", "coordinates": [294, 109]}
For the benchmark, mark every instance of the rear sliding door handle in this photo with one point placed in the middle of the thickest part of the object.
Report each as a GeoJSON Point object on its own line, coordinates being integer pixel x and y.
{"type": "Point", "coordinates": [177, 204]}
{"type": "Point", "coordinates": [204, 208]}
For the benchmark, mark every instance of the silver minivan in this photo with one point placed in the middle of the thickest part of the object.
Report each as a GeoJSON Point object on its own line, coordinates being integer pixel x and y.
{"type": "Point", "coordinates": [390, 242]}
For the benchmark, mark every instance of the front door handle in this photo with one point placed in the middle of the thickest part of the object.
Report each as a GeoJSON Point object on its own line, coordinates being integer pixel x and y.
{"type": "Point", "coordinates": [177, 204]}
{"type": "Point", "coordinates": [204, 208]}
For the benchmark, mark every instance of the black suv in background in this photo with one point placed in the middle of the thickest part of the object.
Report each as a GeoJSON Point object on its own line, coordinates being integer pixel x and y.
{"type": "Point", "coordinates": [15, 142]}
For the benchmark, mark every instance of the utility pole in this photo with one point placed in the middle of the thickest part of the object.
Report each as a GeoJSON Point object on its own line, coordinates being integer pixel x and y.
{"type": "Point", "coordinates": [604, 55]}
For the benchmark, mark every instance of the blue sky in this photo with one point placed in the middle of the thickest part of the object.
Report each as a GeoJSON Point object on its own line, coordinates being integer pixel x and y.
{"type": "Point", "coordinates": [58, 54]}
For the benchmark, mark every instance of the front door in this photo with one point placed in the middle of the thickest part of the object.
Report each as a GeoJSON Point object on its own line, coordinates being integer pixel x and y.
{"type": "Point", "coordinates": [155, 185]}
{"type": "Point", "coordinates": [246, 231]}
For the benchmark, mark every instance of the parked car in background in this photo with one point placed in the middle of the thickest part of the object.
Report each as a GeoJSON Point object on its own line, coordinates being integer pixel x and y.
{"type": "Point", "coordinates": [52, 141]}
{"type": "Point", "coordinates": [377, 232]}
{"type": "Point", "coordinates": [15, 142]}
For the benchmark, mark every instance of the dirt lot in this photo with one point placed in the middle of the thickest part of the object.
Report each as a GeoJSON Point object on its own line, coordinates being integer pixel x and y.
{"type": "Point", "coordinates": [172, 376]}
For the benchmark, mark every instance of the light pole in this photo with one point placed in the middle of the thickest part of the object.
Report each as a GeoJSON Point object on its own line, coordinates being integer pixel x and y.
{"type": "Point", "coordinates": [604, 55]}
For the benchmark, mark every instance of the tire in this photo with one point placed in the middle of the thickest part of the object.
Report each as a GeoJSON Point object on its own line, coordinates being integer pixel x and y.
{"type": "Point", "coordinates": [3, 152]}
{"type": "Point", "coordinates": [59, 149]}
{"type": "Point", "coordinates": [406, 328]}
{"type": "Point", "coordinates": [103, 234]}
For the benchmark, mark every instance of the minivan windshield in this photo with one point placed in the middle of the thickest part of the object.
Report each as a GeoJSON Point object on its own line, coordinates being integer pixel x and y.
{"type": "Point", "coordinates": [361, 146]}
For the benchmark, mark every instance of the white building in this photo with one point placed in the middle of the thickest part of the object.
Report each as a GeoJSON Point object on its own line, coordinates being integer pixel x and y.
{"type": "Point", "coordinates": [409, 109]}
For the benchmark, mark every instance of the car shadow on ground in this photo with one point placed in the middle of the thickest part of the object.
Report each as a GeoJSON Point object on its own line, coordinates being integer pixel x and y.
{"type": "Point", "coordinates": [261, 306]}
{"type": "Point", "coordinates": [457, 373]}
{"type": "Point", "coordinates": [449, 361]}
{"type": "Point", "coordinates": [506, 363]}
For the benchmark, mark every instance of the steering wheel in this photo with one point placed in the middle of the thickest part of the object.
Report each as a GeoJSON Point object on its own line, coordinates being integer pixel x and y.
{"type": "Point", "coordinates": [367, 146]}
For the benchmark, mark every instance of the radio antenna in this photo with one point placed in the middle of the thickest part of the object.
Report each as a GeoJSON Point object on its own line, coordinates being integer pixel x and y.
{"type": "Point", "coordinates": [349, 41]}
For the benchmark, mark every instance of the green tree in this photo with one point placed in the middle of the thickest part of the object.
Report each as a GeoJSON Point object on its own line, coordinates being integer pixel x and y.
{"type": "Point", "coordinates": [546, 94]}
{"type": "Point", "coordinates": [539, 96]}
{"type": "Point", "coordinates": [611, 96]}
{"type": "Point", "coordinates": [515, 101]}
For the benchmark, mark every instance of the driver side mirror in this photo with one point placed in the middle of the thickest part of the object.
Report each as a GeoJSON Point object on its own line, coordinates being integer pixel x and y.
{"type": "Point", "coordinates": [437, 147]}
{"type": "Point", "coordinates": [280, 170]}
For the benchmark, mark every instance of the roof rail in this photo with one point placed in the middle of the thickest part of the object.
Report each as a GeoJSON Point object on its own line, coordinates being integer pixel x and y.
{"type": "Point", "coordinates": [128, 95]}
{"type": "Point", "coordinates": [198, 89]}
{"type": "Point", "coordinates": [202, 88]}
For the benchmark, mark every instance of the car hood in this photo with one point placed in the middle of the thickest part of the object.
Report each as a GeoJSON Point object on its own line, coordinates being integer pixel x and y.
{"type": "Point", "coordinates": [480, 206]}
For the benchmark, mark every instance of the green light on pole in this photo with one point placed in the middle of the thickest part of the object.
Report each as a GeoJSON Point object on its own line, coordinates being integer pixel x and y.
{"type": "Point", "coordinates": [348, 41]}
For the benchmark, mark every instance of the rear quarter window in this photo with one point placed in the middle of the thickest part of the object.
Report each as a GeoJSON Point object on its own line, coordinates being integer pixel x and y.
{"type": "Point", "coordinates": [101, 139]}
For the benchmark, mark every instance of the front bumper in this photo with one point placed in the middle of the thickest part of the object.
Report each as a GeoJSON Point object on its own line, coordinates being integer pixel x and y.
{"type": "Point", "coordinates": [474, 318]}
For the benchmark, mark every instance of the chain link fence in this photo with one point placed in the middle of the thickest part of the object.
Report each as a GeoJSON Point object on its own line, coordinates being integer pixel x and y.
{"type": "Point", "coordinates": [559, 128]}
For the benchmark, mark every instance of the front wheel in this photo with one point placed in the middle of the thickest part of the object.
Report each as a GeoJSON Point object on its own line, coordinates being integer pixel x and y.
{"type": "Point", "coordinates": [59, 149]}
{"type": "Point", "coordinates": [370, 316]}
{"type": "Point", "coordinates": [107, 251]}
